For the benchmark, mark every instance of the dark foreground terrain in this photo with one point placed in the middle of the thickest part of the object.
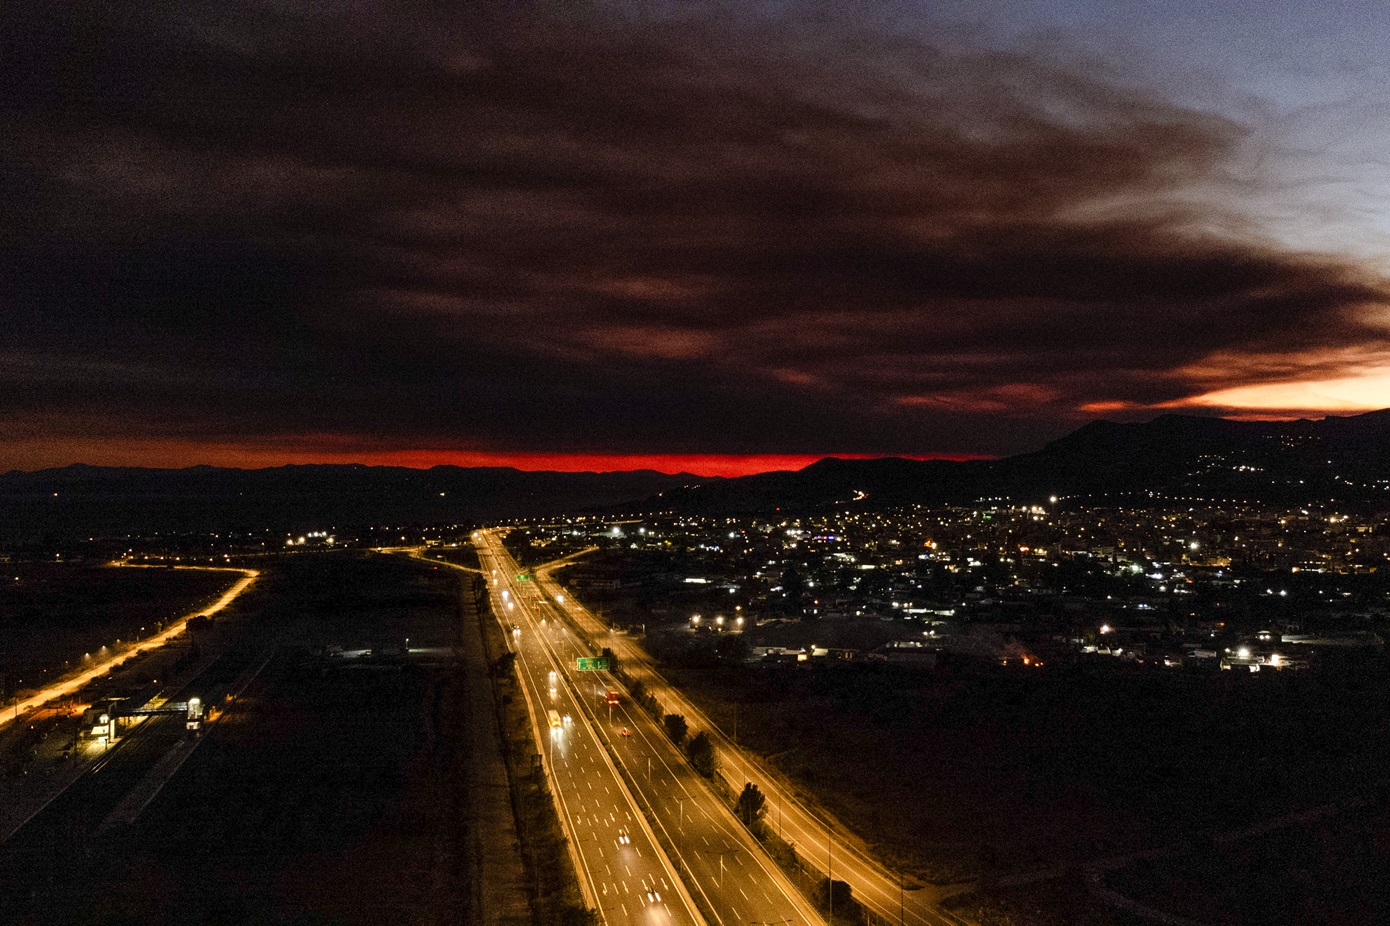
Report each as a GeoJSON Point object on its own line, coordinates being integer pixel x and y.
{"type": "Point", "coordinates": [979, 772]}
{"type": "Point", "coordinates": [52, 613]}
{"type": "Point", "coordinates": [333, 789]}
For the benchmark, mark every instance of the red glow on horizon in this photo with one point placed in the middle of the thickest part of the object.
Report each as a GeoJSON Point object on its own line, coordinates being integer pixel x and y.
{"type": "Point", "coordinates": [174, 454]}
{"type": "Point", "coordinates": [697, 464]}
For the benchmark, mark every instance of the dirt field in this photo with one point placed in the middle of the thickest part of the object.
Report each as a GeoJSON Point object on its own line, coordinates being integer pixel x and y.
{"type": "Point", "coordinates": [962, 772]}
{"type": "Point", "coordinates": [334, 791]}
{"type": "Point", "coordinates": [53, 613]}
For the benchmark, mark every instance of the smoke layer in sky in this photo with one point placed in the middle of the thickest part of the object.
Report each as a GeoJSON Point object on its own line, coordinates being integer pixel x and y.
{"type": "Point", "coordinates": [321, 232]}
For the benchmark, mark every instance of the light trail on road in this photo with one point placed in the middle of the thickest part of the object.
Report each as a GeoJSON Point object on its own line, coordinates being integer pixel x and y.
{"type": "Point", "coordinates": [819, 843]}
{"type": "Point", "coordinates": [718, 858]}
{"type": "Point", "coordinates": [624, 873]}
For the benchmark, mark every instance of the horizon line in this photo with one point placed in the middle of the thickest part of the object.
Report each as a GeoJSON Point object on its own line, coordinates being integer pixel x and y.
{"type": "Point", "coordinates": [705, 465]}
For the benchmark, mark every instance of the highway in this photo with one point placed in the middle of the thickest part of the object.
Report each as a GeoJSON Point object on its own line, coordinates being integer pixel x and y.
{"type": "Point", "coordinates": [815, 840]}
{"type": "Point", "coordinates": [717, 857]}
{"type": "Point", "coordinates": [623, 871]}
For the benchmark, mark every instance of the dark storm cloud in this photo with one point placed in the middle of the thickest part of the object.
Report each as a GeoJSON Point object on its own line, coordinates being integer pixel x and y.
{"type": "Point", "coordinates": [695, 231]}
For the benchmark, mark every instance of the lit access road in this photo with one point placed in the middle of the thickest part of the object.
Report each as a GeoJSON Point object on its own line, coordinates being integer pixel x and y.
{"type": "Point", "coordinates": [623, 872]}
{"type": "Point", "coordinates": [74, 683]}
{"type": "Point", "coordinates": [815, 842]}
{"type": "Point", "coordinates": [721, 862]}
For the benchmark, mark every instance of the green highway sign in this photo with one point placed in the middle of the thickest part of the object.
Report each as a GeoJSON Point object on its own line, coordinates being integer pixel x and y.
{"type": "Point", "coordinates": [592, 663]}
{"type": "Point", "coordinates": [523, 577]}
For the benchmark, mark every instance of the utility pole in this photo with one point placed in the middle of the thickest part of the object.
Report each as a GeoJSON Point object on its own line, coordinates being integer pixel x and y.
{"type": "Point", "coordinates": [829, 876]}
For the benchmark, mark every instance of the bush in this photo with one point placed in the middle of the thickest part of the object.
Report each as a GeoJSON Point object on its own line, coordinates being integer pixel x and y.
{"type": "Point", "coordinates": [846, 908]}
{"type": "Point", "coordinates": [645, 699]}
{"type": "Point", "coordinates": [703, 758]}
{"type": "Point", "coordinates": [676, 727]}
{"type": "Point", "coordinates": [751, 805]}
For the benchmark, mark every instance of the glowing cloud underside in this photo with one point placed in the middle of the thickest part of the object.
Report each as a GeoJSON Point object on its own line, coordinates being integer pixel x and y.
{"type": "Point", "coordinates": [1364, 392]}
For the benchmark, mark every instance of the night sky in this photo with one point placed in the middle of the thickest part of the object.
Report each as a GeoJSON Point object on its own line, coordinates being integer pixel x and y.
{"type": "Point", "coordinates": [695, 236]}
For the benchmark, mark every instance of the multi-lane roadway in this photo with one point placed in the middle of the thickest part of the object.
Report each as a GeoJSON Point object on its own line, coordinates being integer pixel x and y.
{"type": "Point", "coordinates": [623, 871]}
{"type": "Point", "coordinates": [709, 851]}
{"type": "Point", "coordinates": [815, 840]}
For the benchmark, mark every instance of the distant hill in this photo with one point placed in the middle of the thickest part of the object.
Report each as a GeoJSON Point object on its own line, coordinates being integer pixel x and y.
{"type": "Point", "coordinates": [88, 500]}
{"type": "Point", "coordinates": [1341, 460]}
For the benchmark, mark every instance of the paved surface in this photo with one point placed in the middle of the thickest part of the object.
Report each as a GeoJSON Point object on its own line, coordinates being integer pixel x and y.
{"type": "Point", "coordinates": [625, 874]}
{"type": "Point", "coordinates": [817, 841]}
{"type": "Point", "coordinates": [718, 859]}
